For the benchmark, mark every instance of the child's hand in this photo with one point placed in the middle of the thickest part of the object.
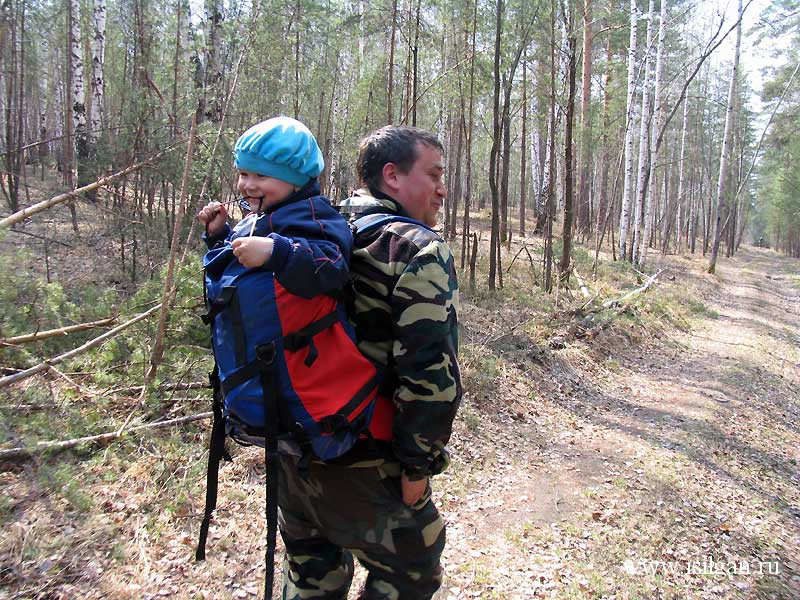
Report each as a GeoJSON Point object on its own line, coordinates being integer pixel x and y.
{"type": "Point", "coordinates": [252, 252]}
{"type": "Point", "coordinates": [214, 216]}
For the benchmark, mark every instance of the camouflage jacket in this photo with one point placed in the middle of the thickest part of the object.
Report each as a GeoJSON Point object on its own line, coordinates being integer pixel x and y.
{"type": "Point", "coordinates": [405, 317]}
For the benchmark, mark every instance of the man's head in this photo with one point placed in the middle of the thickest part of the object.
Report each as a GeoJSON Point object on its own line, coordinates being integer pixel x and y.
{"type": "Point", "coordinates": [274, 158]}
{"type": "Point", "coordinates": [405, 163]}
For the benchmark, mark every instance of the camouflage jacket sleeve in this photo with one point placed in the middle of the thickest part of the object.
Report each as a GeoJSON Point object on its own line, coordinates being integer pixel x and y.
{"type": "Point", "coordinates": [424, 317]}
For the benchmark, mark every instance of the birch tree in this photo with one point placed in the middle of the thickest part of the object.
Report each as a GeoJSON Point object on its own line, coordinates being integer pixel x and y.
{"type": "Point", "coordinates": [644, 139]}
{"type": "Point", "coordinates": [654, 130]}
{"type": "Point", "coordinates": [77, 92]}
{"type": "Point", "coordinates": [681, 182]}
{"type": "Point", "coordinates": [98, 71]}
{"type": "Point", "coordinates": [722, 182]}
{"type": "Point", "coordinates": [629, 190]}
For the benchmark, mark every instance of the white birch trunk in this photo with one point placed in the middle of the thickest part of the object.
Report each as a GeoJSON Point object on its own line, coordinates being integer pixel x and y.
{"type": "Point", "coordinates": [654, 129]}
{"type": "Point", "coordinates": [333, 192]}
{"type": "Point", "coordinates": [722, 207]}
{"type": "Point", "coordinates": [644, 140]}
{"type": "Point", "coordinates": [77, 91]}
{"type": "Point", "coordinates": [628, 192]}
{"type": "Point", "coordinates": [98, 67]}
{"type": "Point", "coordinates": [682, 176]}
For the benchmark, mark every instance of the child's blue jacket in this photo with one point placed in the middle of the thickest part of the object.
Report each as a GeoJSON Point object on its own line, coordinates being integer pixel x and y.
{"type": "Point", "coordinates": [312, 242]}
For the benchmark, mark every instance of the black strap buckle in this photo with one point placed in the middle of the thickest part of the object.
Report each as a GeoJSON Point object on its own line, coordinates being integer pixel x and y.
{"type": "Point", "coordinates": [265, 353]}
{"type": "Point", "coordinates": [333, 423]}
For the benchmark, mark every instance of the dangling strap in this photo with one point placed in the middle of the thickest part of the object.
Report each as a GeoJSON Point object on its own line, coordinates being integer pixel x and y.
{"type": "Point", "coordinates": [305, 336]}
{"type": "Point", "coordinates": [266, 356]}
{"type": "Point", "coordinates": [216, 452]}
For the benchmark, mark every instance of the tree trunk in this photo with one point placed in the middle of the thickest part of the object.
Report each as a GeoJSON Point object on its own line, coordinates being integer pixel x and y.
{"type": "Point", "coordinates": [213, 70]}
{"type": "Point", "coordinates": [505, 157]}
{"type": "Point", "coordinates": [176, 62]}
{"type": "Point", "coordinates": [550, 209]}
{"type": "Point", "coordinates": [681, 179]}
{"type": "Point", "coordinates": [654, 130]}
{"type": "Point", "coordinates": [629, 190]}
{"type": "Point", "coordinates": [603, 206]}
{"type": "Point", "coordinates": [415, 79]}
{"type": "Point", "coordinates": [569, 167]}
{"type": "Point", "coordinates": [170, 287]}
{"type": "Point", "coordinates": [495, 150]}
{"type": "Point", "coordinates": [454, 193]}
{"type": "Point", "coordinates": [644, 141]}
{"type": "Point", "coordinates": [469, 129]}
{"type": "Point", "coordinates": [523, 163]}
{"type": "Point", "coordinates": [78, 98]}
{"type": "Point", "coordinates": [98, 71]}
{"type": "Point", "coordinates": [14, 102]}
{"type": "Point", "coordinates": [584, 216]}
{"type": "Point", "coordinates": [722, 207]}
{"type": "Point", "coordinates": [390, 66]}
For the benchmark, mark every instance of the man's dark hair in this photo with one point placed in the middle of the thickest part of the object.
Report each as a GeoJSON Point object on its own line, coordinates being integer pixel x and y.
{"type": "Point", "coordinates": [391, 144]}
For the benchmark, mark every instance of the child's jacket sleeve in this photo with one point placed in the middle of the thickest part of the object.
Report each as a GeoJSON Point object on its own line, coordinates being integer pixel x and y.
{"type": "Point", "coordinates": [312, 246]}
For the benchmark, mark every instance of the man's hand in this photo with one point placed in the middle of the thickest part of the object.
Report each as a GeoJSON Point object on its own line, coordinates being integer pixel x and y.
{"type": "Point", "coordinates": [412, 490]}
{"type": "Point", "coordinates": [214, 216]}
{"type": "Point", "coordinates": [252, 252]}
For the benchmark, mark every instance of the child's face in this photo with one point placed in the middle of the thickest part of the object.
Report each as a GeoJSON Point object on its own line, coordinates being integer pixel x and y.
{"type": "Point", "coordinates": [262, 191]}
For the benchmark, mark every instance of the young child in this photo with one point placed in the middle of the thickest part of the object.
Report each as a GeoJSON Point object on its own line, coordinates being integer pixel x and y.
{"type": "Point", "coordinates": [292, 230]}
{"type": "Point", "coordinates": [275, 280]}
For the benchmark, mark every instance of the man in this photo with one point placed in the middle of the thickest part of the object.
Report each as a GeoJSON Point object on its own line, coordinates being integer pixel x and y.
{"type": "Point", "coordinates": [375, 503]}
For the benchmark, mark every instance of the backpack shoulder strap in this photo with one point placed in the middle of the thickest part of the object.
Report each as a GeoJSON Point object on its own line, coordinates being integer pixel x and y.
{"type": "Point", "coordinates": [372, 221]}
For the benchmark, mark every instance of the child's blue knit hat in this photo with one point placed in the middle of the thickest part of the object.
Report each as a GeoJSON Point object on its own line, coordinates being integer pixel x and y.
{"type": "Point", "coordinates": [282, 148]}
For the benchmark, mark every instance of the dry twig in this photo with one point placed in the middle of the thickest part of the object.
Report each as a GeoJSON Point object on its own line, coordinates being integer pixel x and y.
{"type": "Point", "coordinates": [48, 333]}
{"type": "Point", "coordinates": [43, 366]}
{"type": "Point", "coordinates": [26, 453]}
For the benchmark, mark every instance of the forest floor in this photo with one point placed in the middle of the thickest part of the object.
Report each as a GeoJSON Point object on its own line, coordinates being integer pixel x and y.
{"type": "Point", "coordinates": [663, 469]}
{"type": "Point", "coordinates": [651, 461]}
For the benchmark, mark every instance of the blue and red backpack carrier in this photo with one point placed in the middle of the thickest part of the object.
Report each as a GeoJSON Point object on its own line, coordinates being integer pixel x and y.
{"type": "Point", "coordinates": [286, 368]}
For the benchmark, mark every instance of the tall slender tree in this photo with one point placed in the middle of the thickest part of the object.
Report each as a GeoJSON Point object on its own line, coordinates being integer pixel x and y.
{"type": "Point", "coordinates": [629, 187]}
{"type": "Point", "coordinates": [644, 139]}
{"type": "Point", "coordinates": [722, 182]}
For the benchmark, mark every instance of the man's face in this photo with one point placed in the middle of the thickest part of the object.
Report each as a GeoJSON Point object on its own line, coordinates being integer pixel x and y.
{"type": "Point", "coordinates": [421, 191]}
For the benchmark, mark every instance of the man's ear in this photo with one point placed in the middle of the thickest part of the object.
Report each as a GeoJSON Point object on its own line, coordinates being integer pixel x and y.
{"type": "Point", "coordinates": [390, 173]}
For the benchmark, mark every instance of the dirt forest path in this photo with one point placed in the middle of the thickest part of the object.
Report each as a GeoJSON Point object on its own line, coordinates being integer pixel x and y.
{"type": "Point", "coordinates": [666, 470]}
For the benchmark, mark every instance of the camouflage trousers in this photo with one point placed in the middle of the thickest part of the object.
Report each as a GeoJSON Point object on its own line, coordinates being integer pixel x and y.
{"type": "Point", "coordinates": [339, 512]}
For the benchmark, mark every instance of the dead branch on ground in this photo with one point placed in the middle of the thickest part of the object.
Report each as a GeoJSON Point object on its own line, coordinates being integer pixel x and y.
{"type": "Point", "coordinates": [48, 333]}
{"type": "Point", "coordinates": [643, 288]}
{"type": "Point", "coordinates": [45, 365]}
{"type": "Point", "coordinates": [27, 453]}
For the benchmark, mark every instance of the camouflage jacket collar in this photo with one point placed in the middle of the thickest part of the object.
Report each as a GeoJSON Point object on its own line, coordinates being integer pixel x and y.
{"type": "Point", "coordinates": [367, 201]}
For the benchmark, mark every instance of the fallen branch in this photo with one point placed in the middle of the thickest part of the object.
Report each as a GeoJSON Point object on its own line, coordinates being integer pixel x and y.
{"type": "Point", "coordinates": [23, 214]}
{"type": "Point", "coordinates": [165, 387]}
{"type": "Point", "coordinates": [581, 283]}
{"type": "Point", "coordinates": [43, 366]}
{"type": "Point", "coordinates": [25, 453]}
{"type": "Point", "coordinates": [48, 333]}
{"type": "Point", "coordinates": [81, 390]}
{"type": "Point", "coordinates": [643, 288]}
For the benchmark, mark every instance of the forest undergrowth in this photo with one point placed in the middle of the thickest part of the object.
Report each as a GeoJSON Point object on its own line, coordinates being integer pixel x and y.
{"type": "Point", "coordinates": [600, 452]}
